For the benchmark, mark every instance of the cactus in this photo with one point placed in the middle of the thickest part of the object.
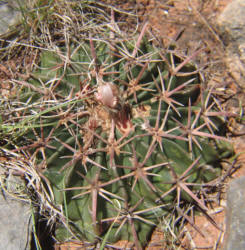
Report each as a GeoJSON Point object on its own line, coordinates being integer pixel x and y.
{"type": "Point", "coordinates": [124, 133]}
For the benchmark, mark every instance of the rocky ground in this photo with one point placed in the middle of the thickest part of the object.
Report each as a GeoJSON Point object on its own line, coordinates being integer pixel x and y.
{"type": "Point", "coordinates": [220, 27]}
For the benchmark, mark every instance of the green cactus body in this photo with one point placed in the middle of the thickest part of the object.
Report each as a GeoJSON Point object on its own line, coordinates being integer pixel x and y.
{"type": "Point", "coordinates": [122, 137]}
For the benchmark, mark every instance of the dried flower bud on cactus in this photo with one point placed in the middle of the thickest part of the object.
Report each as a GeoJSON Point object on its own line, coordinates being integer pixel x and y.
{"type": "Point", "coordinates": [107, 94]}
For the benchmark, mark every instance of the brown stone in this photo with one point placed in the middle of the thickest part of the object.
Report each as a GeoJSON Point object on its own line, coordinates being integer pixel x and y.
{"type": "Point", "coordinates": [231, 24]}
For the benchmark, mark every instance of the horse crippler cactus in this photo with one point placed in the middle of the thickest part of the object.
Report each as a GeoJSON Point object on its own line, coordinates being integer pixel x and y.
{"type": "Point", "coordinates": [125, 136]}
